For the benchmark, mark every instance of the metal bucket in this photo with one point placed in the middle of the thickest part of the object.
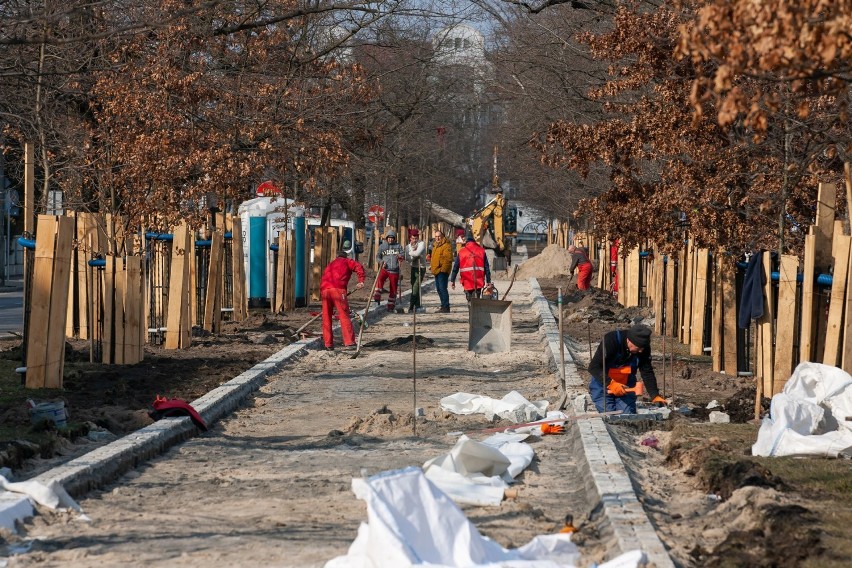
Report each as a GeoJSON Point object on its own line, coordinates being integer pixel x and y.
{"type": "Point", "coordinates": [489, 326]}
{"type": "Point", "coordinates": [50, 412]}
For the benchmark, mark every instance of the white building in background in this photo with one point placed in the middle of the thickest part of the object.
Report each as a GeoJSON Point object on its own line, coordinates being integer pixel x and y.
{"type": "Point", "coordinates": [459, 45]}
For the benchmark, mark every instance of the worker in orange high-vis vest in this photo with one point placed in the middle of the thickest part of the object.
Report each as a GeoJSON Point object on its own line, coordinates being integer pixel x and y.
{"type": "Point", "coordinates": [335, 280]}
{"type": "Point", "coordinates": [580, 261]}
{"type": "Point", "coordinates": [471, 265]}
{"type": "Point", "coordinates": [613, 368]}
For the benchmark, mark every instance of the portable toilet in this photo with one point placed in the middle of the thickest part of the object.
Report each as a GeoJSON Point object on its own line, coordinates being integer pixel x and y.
{"type": "Point", "coordinates": [253, 214]}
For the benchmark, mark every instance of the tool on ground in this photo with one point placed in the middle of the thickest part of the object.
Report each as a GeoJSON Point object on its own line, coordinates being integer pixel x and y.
{"type": "Point", "coordinates": [414, 365]}
{"type": "Point", "coordinates": [568, 527]}
{"type": "Point", "coordinates": [552, 421]}
{"type": "Point", "coordinates": [316, 315]}
{"type": "Point", "coordinates": [511, 282]}
{"type": "Point", "coordinates": [551, 429]}
{"type": "Point", "coordinates": [367, 311]}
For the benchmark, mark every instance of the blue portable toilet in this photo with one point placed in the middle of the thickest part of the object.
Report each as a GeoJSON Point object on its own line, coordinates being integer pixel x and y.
{"type": "Point", "coordinates": [253, 214]}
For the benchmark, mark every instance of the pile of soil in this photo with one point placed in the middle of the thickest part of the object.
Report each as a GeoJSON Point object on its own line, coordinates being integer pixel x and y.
{"type": "Point", "coordinates": [552, 262]}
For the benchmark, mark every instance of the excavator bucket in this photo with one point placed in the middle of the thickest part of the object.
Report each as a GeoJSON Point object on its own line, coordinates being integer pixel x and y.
{"type": "Point", "coordinates": [489, 326]}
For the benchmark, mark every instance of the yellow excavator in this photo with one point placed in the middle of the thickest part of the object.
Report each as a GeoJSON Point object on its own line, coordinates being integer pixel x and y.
{"type": "Point", "coordinates": [489, 225]}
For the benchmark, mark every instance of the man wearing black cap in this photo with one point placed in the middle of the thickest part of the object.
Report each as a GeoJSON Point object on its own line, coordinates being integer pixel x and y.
{"type": "Point", "coordinates": [618, 357]}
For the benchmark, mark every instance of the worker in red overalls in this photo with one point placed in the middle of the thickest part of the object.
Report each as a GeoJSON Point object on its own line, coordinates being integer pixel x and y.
{"type": "Point", "coordinates": [335, 280]}
{"type": "Point", "coordinates": [580, 261]}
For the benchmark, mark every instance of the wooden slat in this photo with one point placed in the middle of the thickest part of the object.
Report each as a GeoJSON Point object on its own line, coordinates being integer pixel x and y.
{"type": "Point", "coordinates": [765, 325]}
{"type": "Point", "coordinates": [213, 299]}
{"type": "Point", "coordinates": [316, 269]}
{"type": "Point", "coordinates": [699, 303]}
{"type": "Point", "coordinates": [108, 340]}
{"type": "Point", "coordinates": [238, 270]}
{"type": "Point", "coordinates": [671, 281]}
{"type": "Point", "coordinates": [832, 354]}
{"type": "Point", "coordinates": [119, 311]}
{"type": "Point", "coordinates": [132, 310]}
{"type": "Point", "coordinates": [824, 226]}
{"type": "Point", "coordinates": [633, 278]}
{"type": "Point", "coordinates": [729, 315]}
{"type": "Point", "coordinates": [178, 286]}
{"type": "Point", "coordinates": [717, 329]}
{"type": "Point", "coordinates": [846, 357]}
{"type": "Point", "coordinates": [806, 339]}
{"type": "Point", "coordinates": [688, 286]}
{"type": "Point", "coordinates": [785, 322]}
{"type": "Point", "coordinates": [40, 302]}
{"type": "Point", "coordinates": [55, 355]}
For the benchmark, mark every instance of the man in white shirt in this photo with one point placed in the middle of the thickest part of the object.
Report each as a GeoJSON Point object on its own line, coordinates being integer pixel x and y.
{"type": "Point", "coordinates": [415, 254]}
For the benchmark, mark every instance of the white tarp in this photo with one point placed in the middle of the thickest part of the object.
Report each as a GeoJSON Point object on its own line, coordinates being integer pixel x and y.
{"type": "Point", "coordinates": [809, 417]}
{"type": "Point", "coordinates": [512, 407]}
{"type": "Point", "coordinates": [52, 496]}
{"type": "Point", "coordinates": [412, 523]}
{"type": "Point", "coordinates": [477, 473]}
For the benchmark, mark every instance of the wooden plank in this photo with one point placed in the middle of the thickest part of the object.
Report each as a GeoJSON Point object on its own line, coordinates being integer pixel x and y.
{"type": "Point", "coordinates": [832, 354]}
{"type": "Point", "coordinates": [824, 226]}
{"type": "Point", "coordinates": [717, 329]}
{"type": "Point", "coordinates": [212, 301]}
{"type": "Point", "coordinates": [316, 268]}
{"type": "Point", "coordinates": [688, 286]}
{"type": "Point", "coordinates": [807, 339]}
{"type": "Point", "coordinates": [786, 322]}
{"type": "Point", "coordinates": [120, 310]}
{"type": "Point", "coordinates": [765, 325]}
{"type": "Point", "coordinates": [72, 321]}
{"type": "Point", "coordinates": [178, 285]}
{"type": "Point", "coordinates": [846, 357]}
{"type": "Point", "coordinates": [671, 280]}
{"type": "Point", "coordinates": [55, 356]}
{"type": "Point", "coordinates": [132, 310]}
{"type": "Point", "coordinates": [108, 339]}
{"type": "Point", "coordinates": [633, 278]}
{"type": "Point", "coordinates": [283, 273]}
{"type": "Point", "coordinates": [238, 270]}
{"type": "Point", "coordinates": [699, 303]}
{"type": "Point", "coordinates": [37, 334]}
{"type": "Point", "coordinates": [729, 315]}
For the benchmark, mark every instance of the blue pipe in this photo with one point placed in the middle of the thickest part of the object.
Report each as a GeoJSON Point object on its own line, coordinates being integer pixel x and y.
{"type": "Point", "coordinates": [98, 262]}
{"type": "Point", "coordinates": [159, 236]}
{"type": "Point", "coordinates": [203, 244]}
{"type": "Point", "coordinates": [229, 235]}
{"type": "Point", "coordinates": [300, 268]}
{"type": "Point", "coordinates": [273, 247]}
{"type": "Point", "coordinates": [26, 243]}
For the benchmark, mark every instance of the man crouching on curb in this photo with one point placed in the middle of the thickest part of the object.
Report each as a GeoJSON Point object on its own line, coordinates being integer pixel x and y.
{"type": "Point", "coordinates": [622, 353]}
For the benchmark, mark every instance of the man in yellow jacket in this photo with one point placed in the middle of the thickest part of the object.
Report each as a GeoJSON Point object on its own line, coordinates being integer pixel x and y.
{"type": "Point", "coordinates": [442, 263]}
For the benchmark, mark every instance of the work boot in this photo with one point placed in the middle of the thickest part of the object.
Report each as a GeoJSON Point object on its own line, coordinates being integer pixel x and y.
{"type": "Point", "coordinates": [411, 310]}
{"type": "Point", "coordinates": [352, 347]}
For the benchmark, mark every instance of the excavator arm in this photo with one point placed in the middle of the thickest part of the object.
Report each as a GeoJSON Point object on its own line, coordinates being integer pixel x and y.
{"type": "Point", "coordinates": [490, 215]}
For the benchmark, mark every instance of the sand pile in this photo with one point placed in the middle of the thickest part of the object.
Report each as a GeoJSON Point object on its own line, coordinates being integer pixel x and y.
{"type": "Point", "coordinates": [551, 262]}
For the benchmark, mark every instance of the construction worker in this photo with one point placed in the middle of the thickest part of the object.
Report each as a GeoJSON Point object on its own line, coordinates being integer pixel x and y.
{"type": "Point", "coordinates": [335, 280]}
{"type": "Point", "coordinates": [580, 261]}
{"type": "Point", "coordinates": [391, 254]}
{"type": "Point", "coordinates": [619, 355]}
{"type": "Point", "coordinates": [460, 240]}
{"type": "Point", "coordinates": [441, 262]}
{"type": "Point", "coordinates": [472, 265]}
{"type": "Point", "coordinates": [415, 255]}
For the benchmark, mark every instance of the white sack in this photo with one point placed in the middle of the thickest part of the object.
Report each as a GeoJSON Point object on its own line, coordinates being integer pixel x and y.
{"type": "Point", "coordinates": [808, 417]}
{"type": "Point", "coordinates": [512, 407]}
{"type": "Point", "coordinates": [51, 496]}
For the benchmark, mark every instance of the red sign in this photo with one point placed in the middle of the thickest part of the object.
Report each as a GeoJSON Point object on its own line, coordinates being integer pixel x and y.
{"type": "Point", "coordinates": [375, 213]}
{"type": "Point", "coordinates": [268, 189]}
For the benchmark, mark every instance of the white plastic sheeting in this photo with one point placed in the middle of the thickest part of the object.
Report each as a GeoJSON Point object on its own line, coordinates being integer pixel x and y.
{"type": "Point", "coordinates": [412, 523]}
{"type": "Point", "coordinates": [52, 496]}
{"type": "Point", "coordinates": [809, 417]}
{"type": "Point", "coordinates": [512, 407]}
{"type": "Point", "coordinates": [477, 473]}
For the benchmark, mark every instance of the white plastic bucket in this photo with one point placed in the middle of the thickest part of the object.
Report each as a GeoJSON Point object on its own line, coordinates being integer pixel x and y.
{"type": "Point", "coordinates": [51, 412]}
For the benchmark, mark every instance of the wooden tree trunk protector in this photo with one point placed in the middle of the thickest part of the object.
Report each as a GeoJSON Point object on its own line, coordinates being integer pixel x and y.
{"type": "Point", "coordinates": [133, 310]}
{"type": "Point", "coordinates": [717, 331]}
{"type": "Point", "coordinates": [832, 354]}
{"type": "Point", "coordinates": [824, 226]}
{"type": "Point", "coordinates": [688, 286]}
{"type": "Point", "coordinates": [633, 283]}
{"type": "Point", "coordinates": [699, 303]}
{"type": "Point", "coordinates": [729, 307]}
{"type": "Point", "coordinates": [681, 292]}
{"type": "Point", "coordinates": [846, 355]}
{"type": "Point", "coordinates": [49, 302]}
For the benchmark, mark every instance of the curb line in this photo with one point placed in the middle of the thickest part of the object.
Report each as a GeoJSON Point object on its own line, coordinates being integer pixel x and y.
{"type": "Point", "coordinates": [605, 475]}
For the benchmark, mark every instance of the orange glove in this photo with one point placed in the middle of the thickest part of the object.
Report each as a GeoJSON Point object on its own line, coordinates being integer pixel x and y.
{"type": "Point", "coordinates": [616, 389]}
{"type": "Point", "coordinates": [659, 401]}
{"type": "Point", "coordinates": [547, 429]}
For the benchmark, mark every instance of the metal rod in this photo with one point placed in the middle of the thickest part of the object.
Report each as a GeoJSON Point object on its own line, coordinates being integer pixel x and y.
{"type": "Point", "coordinates": [561, 340]}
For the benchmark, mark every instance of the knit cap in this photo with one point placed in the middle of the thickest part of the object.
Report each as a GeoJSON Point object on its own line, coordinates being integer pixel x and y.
{"type": "Point", "coordinates": [640, 336]}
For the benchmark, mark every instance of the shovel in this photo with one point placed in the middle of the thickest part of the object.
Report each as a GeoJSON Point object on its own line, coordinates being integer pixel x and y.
{"type": "Point", "coordinates": [367, 311]}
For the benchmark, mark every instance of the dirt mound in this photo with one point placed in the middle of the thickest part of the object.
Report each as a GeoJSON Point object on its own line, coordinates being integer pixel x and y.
{"type": "Point", "coordinates": [552, 262]}
{"type": "Point", "coordinates": [599, 305]}
{"type": "Point", "coordinates": [401, 343]}
{"type": "Point", "coordinates": [381, 421]}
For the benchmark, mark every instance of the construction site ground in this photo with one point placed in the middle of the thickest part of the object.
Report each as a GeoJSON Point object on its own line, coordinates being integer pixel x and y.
{"type": "Point", "coordinates": [269, 485]}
